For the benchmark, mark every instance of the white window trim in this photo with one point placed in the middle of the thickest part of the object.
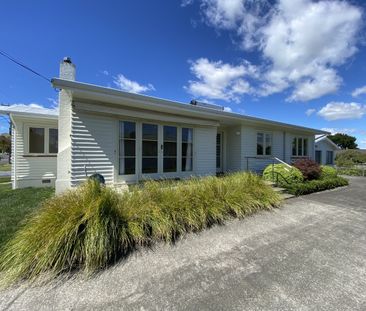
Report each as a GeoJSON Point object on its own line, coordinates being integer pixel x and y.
{"type": "Point", "coordinates": [46, 140]}
{"type": "Point", "coordinates": [297, 155]}
{"type": "Point", "coordinates": [264, 143]}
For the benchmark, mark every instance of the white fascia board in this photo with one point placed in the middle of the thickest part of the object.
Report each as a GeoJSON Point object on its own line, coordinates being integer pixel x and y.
{"type": "Point", "coordinates": [104, 94]}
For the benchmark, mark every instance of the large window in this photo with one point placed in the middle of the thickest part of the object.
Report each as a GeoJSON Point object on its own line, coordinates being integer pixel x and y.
{"type": "Point", "coordinates": [264, 144]}
{"type": "Point", "coordinates": [127, 148]}
{"type": "Point", "coordinates": [170, 149]}
{"type": "Point", "coordinates": [42, 140]}
{"type": "Point", "coordinates": [149, 148]}
{"type": "Point", "coordinates": [187, 149]}
{"type": "Point", "coordinates": [300, 147]}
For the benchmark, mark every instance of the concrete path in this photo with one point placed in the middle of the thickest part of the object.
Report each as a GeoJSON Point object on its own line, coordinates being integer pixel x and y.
{"type": "Point", "coordinates": [308, 255]}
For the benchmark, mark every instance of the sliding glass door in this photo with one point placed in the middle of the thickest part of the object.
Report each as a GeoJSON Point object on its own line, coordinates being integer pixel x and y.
{"type": "Point", "coordinates": [148, 150]}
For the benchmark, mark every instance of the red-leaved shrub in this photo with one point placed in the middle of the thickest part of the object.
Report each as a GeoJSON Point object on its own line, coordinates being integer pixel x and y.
{"type": "Point", "coordinates": [309, 168]}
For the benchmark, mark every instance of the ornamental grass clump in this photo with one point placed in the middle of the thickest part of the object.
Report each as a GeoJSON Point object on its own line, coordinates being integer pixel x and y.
{"type": "Point", "coordinates": [93, 226]}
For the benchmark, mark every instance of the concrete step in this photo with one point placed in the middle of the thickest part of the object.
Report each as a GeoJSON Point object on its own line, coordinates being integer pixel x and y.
{"type": "Point", "coordinates": [286, 196]}
{"type": "Point", "coordinates": [279, 189]}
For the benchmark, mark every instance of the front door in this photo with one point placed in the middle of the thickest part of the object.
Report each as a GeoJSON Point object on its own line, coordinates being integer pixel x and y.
{"type": "Point", "coordinates": [159, 150]}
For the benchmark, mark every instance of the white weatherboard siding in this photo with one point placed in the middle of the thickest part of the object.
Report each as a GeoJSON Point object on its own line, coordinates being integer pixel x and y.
{"type": "Point", "coordinates": [93, 147]}
{"type": "Point", "coordinates": [30, 171]}
{"type": "Point", "coordinates": [281, 147]}
{"type": "Point", "coordinates": [204, 149]}
{"type": "Point", "coordinates": [249, 148]}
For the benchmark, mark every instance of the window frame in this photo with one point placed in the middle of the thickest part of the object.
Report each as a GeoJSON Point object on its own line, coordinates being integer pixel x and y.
{"type": "Point", "coordinates": [46, 141]}
{"type": "Point", "coordinates": [303, 148]}
{"type": "Point", "coordinates": [138, 161]}
{"type": "Point", "coordinates": [264, 133]}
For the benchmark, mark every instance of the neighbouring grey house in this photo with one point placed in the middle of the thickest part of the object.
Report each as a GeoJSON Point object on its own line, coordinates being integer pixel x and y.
{"type": "Point", "coordinates": [129, 137]}
{"type": "Point", "coordinates": [325, 150]}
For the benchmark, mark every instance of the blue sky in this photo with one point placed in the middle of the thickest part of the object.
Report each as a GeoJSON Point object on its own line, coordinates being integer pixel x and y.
{"type": "Point", "coordinates": [296, 61]}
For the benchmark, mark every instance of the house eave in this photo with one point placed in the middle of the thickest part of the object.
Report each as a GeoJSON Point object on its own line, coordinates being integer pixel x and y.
{"type": "Point", "coordinates": [84, 91]}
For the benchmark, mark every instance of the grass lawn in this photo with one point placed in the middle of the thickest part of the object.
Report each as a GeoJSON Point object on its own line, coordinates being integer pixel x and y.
{"type": "Point", "coordinates": [5, 167]}
{"type": "Point", "coordinates": [15, 205]}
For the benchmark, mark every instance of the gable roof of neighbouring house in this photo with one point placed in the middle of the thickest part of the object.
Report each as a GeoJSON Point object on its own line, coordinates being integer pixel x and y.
{"type": "Point", "coordinates": [325, 138]}
{"type": "Point", "coordinates": [84, 91]}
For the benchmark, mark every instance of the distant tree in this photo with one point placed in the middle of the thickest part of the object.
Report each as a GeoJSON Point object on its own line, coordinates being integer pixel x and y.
{"type": "Point", "coordinates": [5, 143]}
{"type": "Point", "coordinates": [344, 141]}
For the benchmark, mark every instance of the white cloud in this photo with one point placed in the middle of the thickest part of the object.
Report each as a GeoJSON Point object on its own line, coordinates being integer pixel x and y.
{"type": "Point", "coordinates": [243, 17]}
{"type": "Point", "coordinates": [105, 72]}
{"type": "Point", "coordinates": [131, 86]}
{"type": "Point", "coordinates": [228, 109]}
{"type": "Point", "coordinates": [359, 91]}
{"type": "Point", "coordinates": [218, 80]}
{"type": "Point", "coordinates": [339, 110]}
{"type": "Point", "coordinates": [310, 111]}
{"type": "Point", "coordinates": [333, 130]}
{"type": "Point", "coordinates": [302, 42]}
{"type": "Point", "coordinates": [184, 3]}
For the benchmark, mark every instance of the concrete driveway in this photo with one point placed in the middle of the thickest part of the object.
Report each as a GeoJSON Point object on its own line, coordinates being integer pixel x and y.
{"type": "Point", "coordinates": [308, 255]}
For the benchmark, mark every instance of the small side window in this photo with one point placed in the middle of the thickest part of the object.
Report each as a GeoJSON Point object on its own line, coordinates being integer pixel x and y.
{"type": "Point", "coordinates": [53, 141]}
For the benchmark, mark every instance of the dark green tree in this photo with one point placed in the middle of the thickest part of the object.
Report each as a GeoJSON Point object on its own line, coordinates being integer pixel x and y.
{"type": "Point", "coordinates": [5, 143]}
{"type": "Point", "coordinates": [344, 141]}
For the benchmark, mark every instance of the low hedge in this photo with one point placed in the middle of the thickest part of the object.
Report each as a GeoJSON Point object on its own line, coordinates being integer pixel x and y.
{"type": "Point", "coordinates": [316, 185]}
{"type": "Point", "coordinates": [351, 172]}
{"type": "Point", "coordinates": [91, 227]}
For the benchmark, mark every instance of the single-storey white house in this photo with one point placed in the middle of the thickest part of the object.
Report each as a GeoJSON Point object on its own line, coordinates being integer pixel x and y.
{"type": "Point", "coordinates": [325, 150]}
{"type": "Point", "coordinates": [129, 137]}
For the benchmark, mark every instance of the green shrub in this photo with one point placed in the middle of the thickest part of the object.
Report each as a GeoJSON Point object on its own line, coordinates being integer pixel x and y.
{"type": "Point", "coordinates": [309, 169]}
{"type": "Point", "coordinates": [93, 226]}
{"type": "Point", "coordinates": [316, 185]}
{"type": "Point", "coordinates": [328, 172]}
{"type": "Point", "coordinates": [351, 171]}
{"type": "Point", "coordinates": [292, 175]}
{"type": "Point", "coordinates": [350, 157]}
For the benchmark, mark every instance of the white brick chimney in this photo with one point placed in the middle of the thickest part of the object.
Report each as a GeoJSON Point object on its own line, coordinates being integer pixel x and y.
{"type": "Point", "coordinates": [63, 181]}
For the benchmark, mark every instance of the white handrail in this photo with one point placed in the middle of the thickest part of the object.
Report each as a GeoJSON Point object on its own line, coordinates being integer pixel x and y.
{"type": "Point", "coordinates": [283, 162]}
